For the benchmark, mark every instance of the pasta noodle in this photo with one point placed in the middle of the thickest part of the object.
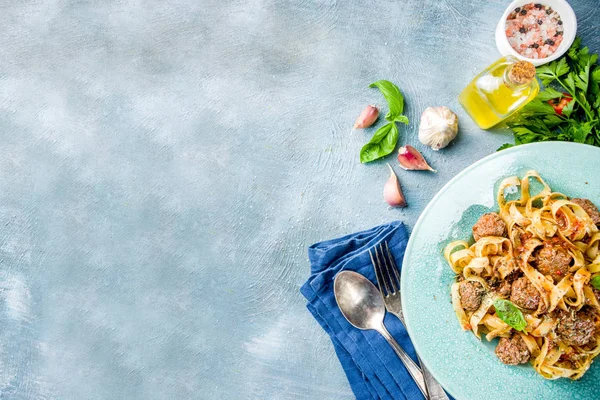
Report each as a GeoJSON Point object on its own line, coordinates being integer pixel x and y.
{"type": "Point", "coordinates": [543, 261]}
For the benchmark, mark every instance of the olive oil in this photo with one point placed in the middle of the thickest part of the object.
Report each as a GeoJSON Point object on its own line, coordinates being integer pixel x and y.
{"type": "Point", "coordinates": [499, 91]}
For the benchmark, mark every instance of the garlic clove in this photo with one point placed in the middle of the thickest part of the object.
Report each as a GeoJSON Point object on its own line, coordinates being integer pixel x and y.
{"type": "Point", "coordinates": [438, 127]}
{"type": "Point", "coordinates": [392, 192]}
{"type": "Point", "coordinates": [367, 117]}
{"type": "Point", "coordinates": [410, 159]}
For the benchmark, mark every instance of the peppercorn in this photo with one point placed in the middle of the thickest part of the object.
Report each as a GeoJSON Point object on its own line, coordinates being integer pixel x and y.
{"type": "Point", "coordinates": [535, 45]}
{"type": "Point", "coordinates": [550, 42]}
{"type": "Point", "coordinates": [523, 12]}
{"type": "Point", "coordinates": [539, 6]}
{"type": "Point", "coordinates": [540, 22]}
{"type": "Point", "coordinates": [523, 30]}
{"type": "Point", "coordinates": [560, 22]}
{"type": "Point", "coordinates": [517, 9]}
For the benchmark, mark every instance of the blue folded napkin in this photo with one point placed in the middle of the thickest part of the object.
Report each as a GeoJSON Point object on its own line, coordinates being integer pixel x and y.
{"type": "Point", "coordinates": [373, 369]}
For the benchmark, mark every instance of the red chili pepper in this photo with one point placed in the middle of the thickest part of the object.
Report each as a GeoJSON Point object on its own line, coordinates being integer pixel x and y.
{"type": "Point", "coordinates": [559, 104]}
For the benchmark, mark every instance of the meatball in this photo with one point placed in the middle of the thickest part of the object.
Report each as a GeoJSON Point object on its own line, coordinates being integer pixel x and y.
{"type": "Point", "coordinates": [504, 288]}
{"type": "Point", "coordinates": [596, 294]}
{"type": "Point", "coordinates": [489, 224]}
{"type": "Point", "coordinates": [513, 350]}
{"type": "Point", "coordinates": [589, 208]}
{"type": "Point", "coordinates": [470, 295]}
{"type": "Point", "coordinates": [524, 294]}
{"type": "Point", "coordinates": [553, 259]}
{"type": "Point", "coordinates": [575, 328]}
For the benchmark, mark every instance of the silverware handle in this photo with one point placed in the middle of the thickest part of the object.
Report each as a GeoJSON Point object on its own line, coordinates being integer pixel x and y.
{"type": "Point", "coordinates": [413, 369]}
{"type": "Point", "coordinates": [434, 389]}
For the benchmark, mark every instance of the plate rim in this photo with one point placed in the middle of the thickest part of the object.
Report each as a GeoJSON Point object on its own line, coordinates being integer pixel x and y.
{"type": "Point", "coordinates": [434, 199]}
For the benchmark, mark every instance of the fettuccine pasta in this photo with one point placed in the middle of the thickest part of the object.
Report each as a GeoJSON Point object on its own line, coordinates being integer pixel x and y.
{"type": "Point", "coordinates": [528, 279]}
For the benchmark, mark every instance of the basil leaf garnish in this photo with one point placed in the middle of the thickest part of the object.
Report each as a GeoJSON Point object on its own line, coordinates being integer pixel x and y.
{"type": "Point", "coordinates": [510, 314]}
{"type": "Point", "coordinates": [393, 96]}
{"type": "Point", "coordinates": [381, 144]}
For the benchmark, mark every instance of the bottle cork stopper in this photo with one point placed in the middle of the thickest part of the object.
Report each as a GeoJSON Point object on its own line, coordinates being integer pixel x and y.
{"type": "Point", "coordinates": [522, 72]}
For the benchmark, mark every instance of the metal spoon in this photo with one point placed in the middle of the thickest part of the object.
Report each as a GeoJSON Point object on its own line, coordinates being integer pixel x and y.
{"type": "Point", "coordinates": [362, 305]}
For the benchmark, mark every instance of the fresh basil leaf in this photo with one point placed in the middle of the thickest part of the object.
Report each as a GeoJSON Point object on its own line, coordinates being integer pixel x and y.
{"type": "Point", "coordinates": [381, 144]}
{"type": "Point", "coordinates": [401, 118]}
{"type": "Point", "coordinates": [595, 282]}
{"type": "Point", "coordinates": [505, 146]}
{"type": "Point", "coordinates": [549, 94]}
{"type": "Point", "coordinates": [510, 314]}
{"type": "Point", "coordinates": [393, 97]}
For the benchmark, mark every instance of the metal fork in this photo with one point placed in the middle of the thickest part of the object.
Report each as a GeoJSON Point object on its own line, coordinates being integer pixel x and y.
{"type": "Point", "coordinates": [388, 281]}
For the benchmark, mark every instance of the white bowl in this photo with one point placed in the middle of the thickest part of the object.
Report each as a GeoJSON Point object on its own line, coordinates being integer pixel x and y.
{"type": "Point", "coordinates": [567, 15]}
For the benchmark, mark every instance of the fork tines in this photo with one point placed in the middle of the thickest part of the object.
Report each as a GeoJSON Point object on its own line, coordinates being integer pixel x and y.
{"type": "Point", "coordinates": [386, 270]}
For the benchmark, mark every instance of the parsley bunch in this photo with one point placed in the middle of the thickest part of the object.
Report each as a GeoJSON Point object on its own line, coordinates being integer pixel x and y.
{"type": "Point", "coordinates": [574, 82]}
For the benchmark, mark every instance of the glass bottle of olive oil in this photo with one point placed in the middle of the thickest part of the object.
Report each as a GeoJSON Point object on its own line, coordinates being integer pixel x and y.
{"type": "Point", "coordinates": [499, 91]}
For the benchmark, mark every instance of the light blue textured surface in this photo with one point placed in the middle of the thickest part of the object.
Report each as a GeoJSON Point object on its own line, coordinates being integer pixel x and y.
{"type": "Point", "coordinates": [166, 164]}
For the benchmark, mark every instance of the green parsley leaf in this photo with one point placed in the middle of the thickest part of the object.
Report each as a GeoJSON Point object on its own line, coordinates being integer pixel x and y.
{"type": "Point", "coordinates": [546, 74]}
{"type": "Point", "coordinates": [548, 94]}
{"type": "Point", "coordinates": [596, 75]}
{"type": "Point", "coordinates": [574, 49]}
{"type": "Point", "coordinates": [538, 106]}
{"type": "Point", "coordinates": [381, 144]}
{"type": "Point", "coordinates": [524, 135]}
{"type": "Point", "coordinates": [568, 109]}
{"type": "Point", "coordinates": [595, 282]}
{"type": "Point", "coordinates": [582, 79]}
{"type": "Point", "coordinates": [510, 314]}
{"type": "Point", "coordinates": [581, 132]}
{"type": "Point", "coordinates": [561, 67]}
{"type": "Point", "coordinates": [570, 83]}
{"type": "Point", "coordinates": [553, 120]}
{"type": "Point", "coordinates": [505, 146]}
{"type": "Point", "coordinates": [576, 119]}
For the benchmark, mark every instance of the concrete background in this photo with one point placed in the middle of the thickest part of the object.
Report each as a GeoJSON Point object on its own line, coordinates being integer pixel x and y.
{"type": "Point", "coordinates": [164, 166]}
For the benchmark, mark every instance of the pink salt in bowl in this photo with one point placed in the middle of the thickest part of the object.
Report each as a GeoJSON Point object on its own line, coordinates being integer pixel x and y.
{"type": "Point", "coordinates": [536, 31]}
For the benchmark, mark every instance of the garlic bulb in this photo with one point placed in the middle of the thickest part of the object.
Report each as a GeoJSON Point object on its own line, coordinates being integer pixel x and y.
{"type": "Point", "coordinates": [439, 125]}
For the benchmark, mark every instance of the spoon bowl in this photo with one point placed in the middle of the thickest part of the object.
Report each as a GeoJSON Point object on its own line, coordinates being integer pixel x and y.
{"type": "Point", "coordinates": [359, 300]}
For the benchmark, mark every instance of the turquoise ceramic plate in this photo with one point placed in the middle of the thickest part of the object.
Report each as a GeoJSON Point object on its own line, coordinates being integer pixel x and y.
{"type": "Point", "coordinates": [466, 367]}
